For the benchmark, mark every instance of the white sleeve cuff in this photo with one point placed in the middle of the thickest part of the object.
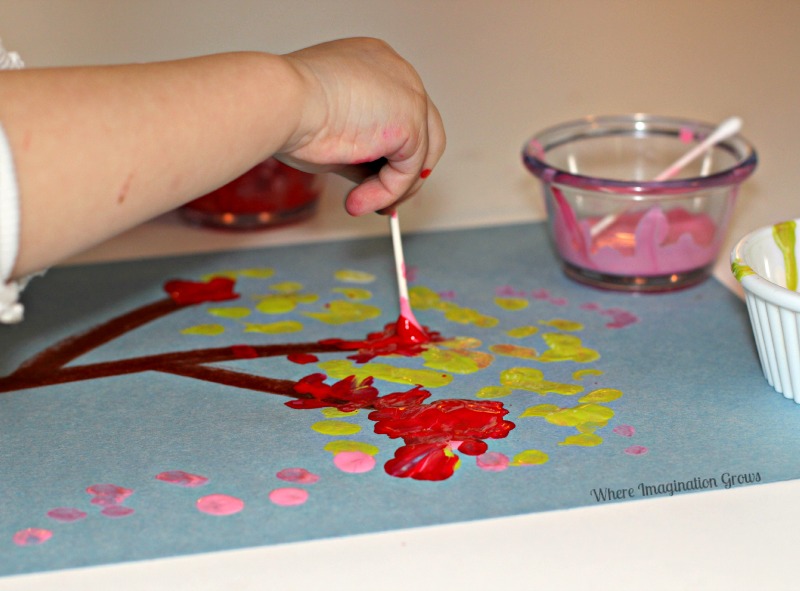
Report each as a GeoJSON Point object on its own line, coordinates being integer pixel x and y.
{"type": "Point", "coordinates": [10, 308]}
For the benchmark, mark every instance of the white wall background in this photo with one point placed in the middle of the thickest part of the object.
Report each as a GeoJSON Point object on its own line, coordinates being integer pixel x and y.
{"type": "Point", "coordinates": [498, 71]}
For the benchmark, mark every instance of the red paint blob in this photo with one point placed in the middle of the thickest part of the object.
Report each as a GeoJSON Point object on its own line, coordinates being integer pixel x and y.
{"type": "Point", "coordinates": [410, 332]}
{"type": "Point", "coordinates": [302, 358]}
{"type": "Point", "coordinates": [422, 461]}
{"type": "Point", "coordinates": [426, 172]}
{"type": "Point", "coordinates": [185, 293]}
{"type": "Point", "coordinates": [397, 338]}
{"type": "Point", "coordinates": [347, 395]}
{"type": "Point", "coordinates": [428, 429]}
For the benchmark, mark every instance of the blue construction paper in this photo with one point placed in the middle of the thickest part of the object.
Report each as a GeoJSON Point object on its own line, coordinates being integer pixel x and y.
{"type": "Point", "coordinates": [703, 416]}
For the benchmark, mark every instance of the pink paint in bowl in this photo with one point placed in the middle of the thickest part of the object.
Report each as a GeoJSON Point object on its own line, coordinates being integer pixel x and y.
{"type": "Point", "coordinates": [615, 228]}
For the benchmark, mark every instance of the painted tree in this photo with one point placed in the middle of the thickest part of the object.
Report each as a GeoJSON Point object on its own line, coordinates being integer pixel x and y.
{"type": "Point", "coordinates": [432, 431]}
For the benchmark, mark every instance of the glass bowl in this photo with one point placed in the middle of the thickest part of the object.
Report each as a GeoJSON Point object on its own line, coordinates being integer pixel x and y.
{"type": "Point", "coordinates": [614, 227]}
{"type": "Point", "coordinates": [270, 194]}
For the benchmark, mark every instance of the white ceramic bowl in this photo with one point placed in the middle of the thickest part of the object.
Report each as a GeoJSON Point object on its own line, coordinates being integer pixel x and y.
{"type": "Point", "coordinates": [765, 263]}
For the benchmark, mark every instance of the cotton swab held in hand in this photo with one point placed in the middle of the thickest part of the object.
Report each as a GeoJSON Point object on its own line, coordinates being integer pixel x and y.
{"type": "Point", "coordinates": [400, 267]}
{"type": "Point", "coordinates": [724, 130]}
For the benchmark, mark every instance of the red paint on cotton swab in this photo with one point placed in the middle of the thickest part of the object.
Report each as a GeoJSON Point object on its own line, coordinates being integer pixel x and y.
{"type": "Point", "coordinates": [407, 319]}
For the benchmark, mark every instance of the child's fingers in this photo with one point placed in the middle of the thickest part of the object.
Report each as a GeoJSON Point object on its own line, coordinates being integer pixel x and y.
{"type": "Point", "coordinates": [399, 178]}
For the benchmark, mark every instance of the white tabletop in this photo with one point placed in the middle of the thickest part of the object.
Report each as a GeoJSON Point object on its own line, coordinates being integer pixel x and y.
{"type": "Point", "coordinates": [499, 71]}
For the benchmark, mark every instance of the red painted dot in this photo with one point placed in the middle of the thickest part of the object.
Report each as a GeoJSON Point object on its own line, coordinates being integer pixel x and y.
{"type": "Point", "coordinates": [426, 172]}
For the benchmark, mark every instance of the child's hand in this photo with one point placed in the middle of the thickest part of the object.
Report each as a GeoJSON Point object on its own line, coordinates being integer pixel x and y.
{"type": "Point", "coordinates": [365, 109]}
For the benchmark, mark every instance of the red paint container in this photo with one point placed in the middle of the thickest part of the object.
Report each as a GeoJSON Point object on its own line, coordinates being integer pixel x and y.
{"type": "Point", "coordinates": [269, 194]}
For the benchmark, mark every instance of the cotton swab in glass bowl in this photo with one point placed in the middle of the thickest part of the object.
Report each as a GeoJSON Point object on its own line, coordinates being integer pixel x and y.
{"type": "Point", "coordinates": [728, 128]}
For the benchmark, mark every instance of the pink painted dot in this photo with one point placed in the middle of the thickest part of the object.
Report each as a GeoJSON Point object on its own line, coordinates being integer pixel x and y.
{"type": "Point", "coordinates": [624, 430]}
{"type": "Point", "coordinates": [590, 306]}
{"type": "Point", "coordinates": [354, 462]}
{"type": "Point", "coordinates": [619, 318]}
{"type": "Point", "coordinates": [686, 135]}
{"type": "Point", "coordinates": [492, 461]}
{"type": "Point", "coordinates": [108, 494]}
{"type": "Point", "coordinates": [636, 450]}
{"type": "Point", "coordinates": [540, 294]}
{"type": "Point", "coordinates": [559, 301]}
{"type": "Point", "coordinates": [298, 475]}
{"type": "Point", "coordinates": [115, 511]}
{"type": "Point", "coordinates": [32, 536]}
{"type": "Point", "coordinates": [181, 478]}
{"type": "Point", "coordinates": [288, 497]}
{"type": "Point", "coordinates": [66, 514]}
{"type": "Point", "coordinates": [219, 504]}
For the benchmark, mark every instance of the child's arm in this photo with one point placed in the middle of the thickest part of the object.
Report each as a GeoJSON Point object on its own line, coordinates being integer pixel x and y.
{"type": "Point", "coordinates": [98, 150]}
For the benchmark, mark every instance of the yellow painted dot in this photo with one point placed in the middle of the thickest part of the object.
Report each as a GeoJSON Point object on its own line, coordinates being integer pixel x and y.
{"type": "Point", "coordinates": [423, 298]}
{"type": "Point", "coordinates": [493, 392]}
{"type": "Point", "coordinates": [274, 327]}
{"type": "Point", "coordinates": [581, 414]}
{"type": "Point", "coordinates": [511, 304]}
{"type": "Point", "coordinates": [582, 373]}
{"type": "Point", "coordinates": [602, 395]}
{"type": "Point", "coordinates": [522, 331]}
{"type": "Point", "coordinates": [353, 293]}
{"type": "Point", "coordinates": [514, 351]}
{"type": "Point", "coordinates": [562, 324]}
{"type": "Point", "coordinates": [530, 457]}
{"type": "Point", "coordinates": [460, 343]}
{"type": "Point", "coordinates": [258, 273]}
{"type": "Point", "coordinates": [208, 330]}
{"type": "Point", "coordinates": [342, 368]}
{"type": "Point", "coordinates": [231, 312]}
{"type": "Point", "coordinates": [334, 427]}
{"type": "Point", "coordinates": [450, 360]}
{"type": "Point", "coordinates": [353, 276]}
{"type": "Point", "coordinates": [540, 410]}
{"type": "Point", "coordinates": [566, 347]}
{"type": "Point", "coordinates": [341, 445]}
{"type": "Point", "coordinates": [223, 274]}
{"type": "Point", "coordinates": [529, 378]}
{"type": "Point", "coordinates": [335, 413]}
{"type": "Point", "coordinates": [583, 439]}
{"type": "Point", "coordinates": [344, 312]}
{"type": "Point", "coordinates": [287, 287]}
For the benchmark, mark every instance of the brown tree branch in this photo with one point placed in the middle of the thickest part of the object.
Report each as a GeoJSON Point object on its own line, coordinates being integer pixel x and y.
{"type": "Point", "coordinates": [33, 376]}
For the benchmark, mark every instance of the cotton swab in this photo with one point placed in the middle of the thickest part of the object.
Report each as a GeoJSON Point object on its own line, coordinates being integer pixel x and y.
{"type": "Point", "coordinates": [400, 267]}
{"type": "Point", "coordinates": [724, 130]}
